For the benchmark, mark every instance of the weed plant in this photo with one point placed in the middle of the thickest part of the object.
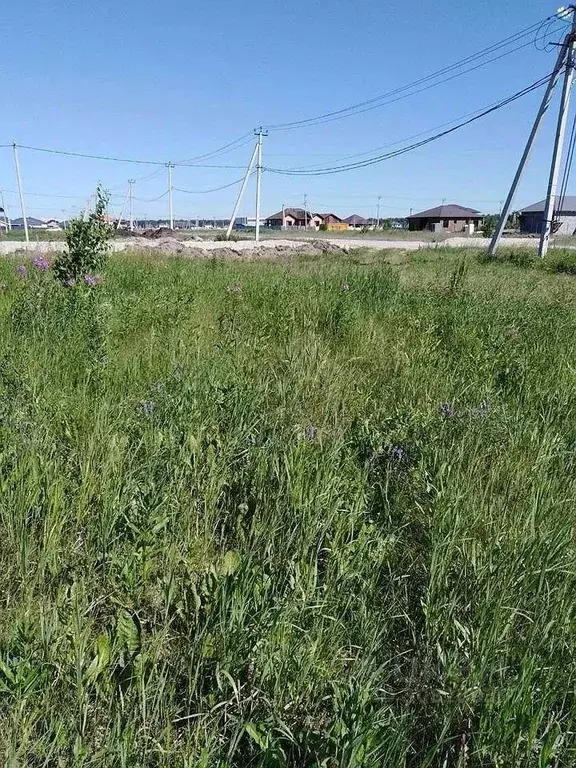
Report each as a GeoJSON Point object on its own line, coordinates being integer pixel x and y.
{"type": "Point", "coordinates": [286, 515]}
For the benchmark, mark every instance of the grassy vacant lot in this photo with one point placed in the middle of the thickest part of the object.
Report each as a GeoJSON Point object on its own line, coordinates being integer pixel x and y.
{"type": "Point", "coordinates": [305, 514]}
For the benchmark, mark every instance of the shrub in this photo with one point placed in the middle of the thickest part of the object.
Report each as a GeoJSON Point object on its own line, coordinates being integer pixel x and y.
{"type": "Point", "coordinates": [519, 257]}
{"type": "Point", "coordinates": [490, 223]}
{"type": "Point", "coordinates": [88, 243]}
{"type": "Point", "coordinates": [562, 262]}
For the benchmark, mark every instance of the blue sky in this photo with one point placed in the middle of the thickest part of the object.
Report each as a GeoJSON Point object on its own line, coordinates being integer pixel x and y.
{"type": "Point", "coordinates": [175, 80]}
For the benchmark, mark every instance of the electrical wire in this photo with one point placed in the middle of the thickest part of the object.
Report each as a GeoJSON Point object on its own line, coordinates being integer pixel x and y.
{"type": "Point", "coordinates": [411, 147]}
{"type": "Point", "coordinates": [537, 37]}
{"type": "Point", "coordinates": [374, 102]}
{"type": "Point", "coordinates": [559, 207]}
{"type": "Point", "coordinates": [46, 194]}
{"type": "Point", "coordinates": [232, 145]}
{"type": "Point", "coordinates": [152, 199]}
{"type": "Point", "coordinates": [122, 159]}
{"type": "Point", "coordinates": [405, 138]}
{"type": "Point", "coordinates": [214, 189]}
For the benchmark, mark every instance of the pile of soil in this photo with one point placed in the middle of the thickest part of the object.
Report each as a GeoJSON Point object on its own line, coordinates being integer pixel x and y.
{"type": "Point", "coordinates": [122, 234]}
{"type": "Point", "coordinates": [157, 233]}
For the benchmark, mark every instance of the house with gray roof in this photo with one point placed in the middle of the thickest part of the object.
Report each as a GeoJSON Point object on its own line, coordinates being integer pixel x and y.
{"type": "Point", "coordinates": [532, 217]}
{"type": "Point", "coordinates": [446, 218]}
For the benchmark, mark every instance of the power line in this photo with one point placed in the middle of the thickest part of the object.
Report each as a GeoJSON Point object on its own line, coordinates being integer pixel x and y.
{"type": "Point", "coordinates": [567, 169]}
{"type": "Point", "coordinates": [206, 191]}
{"type": "Point", "coordinates": [152, 199]}
{"type": "Point", "coordinates": [119, 159]}
{"type": "Point", "coordinates": [404, 139]}
{"type": "Point", "coordinates": [48, 194]}
{"type": "Point", "coordinates": [232, 145]}
{"type": "Point", "coordinates": [376, 101]}
{"type": "Point", "coordinates": [411, 147]}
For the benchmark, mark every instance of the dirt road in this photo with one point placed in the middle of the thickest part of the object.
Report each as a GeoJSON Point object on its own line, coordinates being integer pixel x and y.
{"type": "Point", "coordinates": [267, 248]}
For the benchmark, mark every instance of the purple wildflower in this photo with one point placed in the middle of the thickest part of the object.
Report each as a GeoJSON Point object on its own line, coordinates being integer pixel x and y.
{"type": "Point", "coordinates": [446, 410]}
{"type": "Point", "coordinates": [310, 432]}
{"type": "Point", "coordinates": [92, 280]}
{"type": "Point", "coordinates": [397, 453]}
{"type": "Point", "coordinates": [147, 407]}
{"type": "Point", "coordinates": [21, 271]}
{"type": "Point", "coordinates": [41, 263]}
{"type": "Point", "coordinates": [481, 411]}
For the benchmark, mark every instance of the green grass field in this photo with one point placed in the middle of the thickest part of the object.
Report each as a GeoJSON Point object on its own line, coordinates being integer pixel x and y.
{"type": "Point", "coordinates": [318, 513]}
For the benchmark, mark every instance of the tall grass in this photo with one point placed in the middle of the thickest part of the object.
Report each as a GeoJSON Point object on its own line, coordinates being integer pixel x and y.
{"type": "Point", "coordinates": [268, 515]}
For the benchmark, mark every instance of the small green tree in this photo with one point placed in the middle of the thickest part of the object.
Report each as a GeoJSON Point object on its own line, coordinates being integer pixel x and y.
{"type": "Point", "coordinates": [490, 223]}
{"type": "Point", "coordinates": [88, 243]}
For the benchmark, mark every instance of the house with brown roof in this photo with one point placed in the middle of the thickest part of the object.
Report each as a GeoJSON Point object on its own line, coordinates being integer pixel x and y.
{"type": "Point", "coordinates": [290, 217]}
{"type": "Point", "coordinates": [299, 218]}
{"type": "Point", "coordinates": [446, 218]}
{"type": "Point", "coordinates": [356, 222]}
{"type": "Point", "coordinates": [329, 221]}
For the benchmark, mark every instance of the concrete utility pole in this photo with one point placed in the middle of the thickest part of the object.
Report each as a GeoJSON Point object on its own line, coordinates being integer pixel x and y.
{"type": "Point", "coordinates": [121, 214]}
{"type": "Point", "coordinates": [564, 61]}
{"type": "Point", "coordinates": [20, 193]}
{"type": "Point", "coordinates": [131, 183]}
{"type": "Point", "coordinates": [170, 200]}
{"type": "Point", "coordinates": [283, 216]}
{"type": "Point", "coordinates": [259, 133]}
{"type": "Point", "coordinates": [241, 192]}
{"type": "Point", "coordinates": [378, 212]}
{"type": "Point", "coordinates": [305, 211]}
{"type": "Point", "coordinates": [6, 217]}
{"type": "Point", "coordinates": [558, 145]}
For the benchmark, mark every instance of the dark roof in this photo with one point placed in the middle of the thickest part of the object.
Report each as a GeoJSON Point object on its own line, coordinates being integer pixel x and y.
{"type": "Point", "coordinates": [297, 213]}
{"type": "Point", "coordinates": [451, 211]}
{"type": "Point", "coordinates": [327, 216]}
{"type": "Point", "coordinates": [569, 204]}
{"type": "Point", "coordinates": [32, 222]}
{"type": "Point", "coordinates": [354, 220]}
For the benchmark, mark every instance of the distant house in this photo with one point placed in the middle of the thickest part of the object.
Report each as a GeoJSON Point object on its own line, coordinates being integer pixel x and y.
{"type": "Point", "coordinates": [446, 218]}
{"type": "Point", "coordinates": [356, 222]}
{"type": "Point", "coordinates": [291, 217]}
{"type": "Point", "coordinates": [329, 221]}
{"type": "Point", "coordinates": [532, 217]}
{"type": "Point", "coordinates": [32, 223]}
{"type": "Point", "coordinates": [53, 224]}
{"type": "Point", "coordinates": [298, 218]}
